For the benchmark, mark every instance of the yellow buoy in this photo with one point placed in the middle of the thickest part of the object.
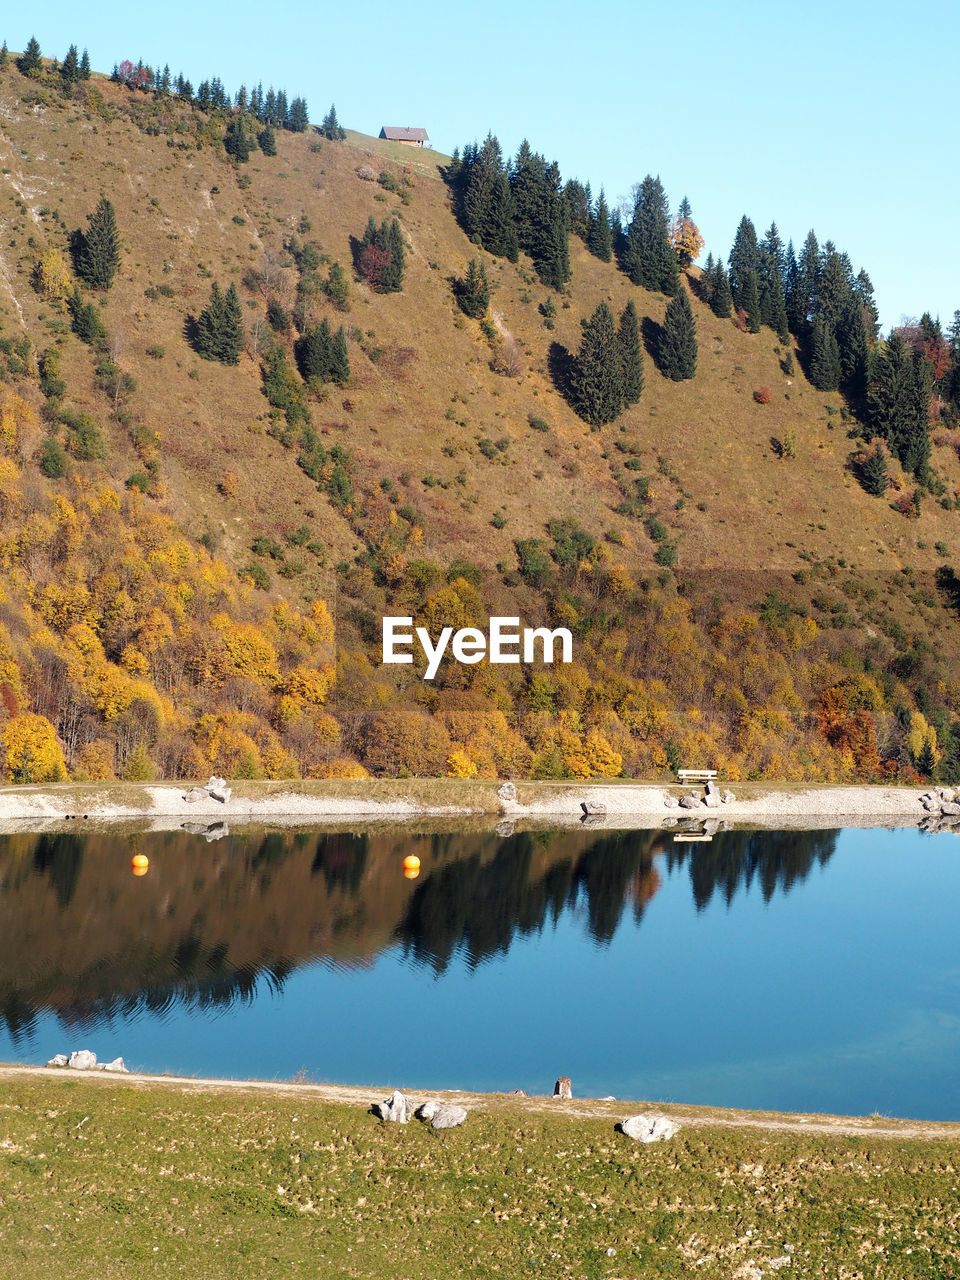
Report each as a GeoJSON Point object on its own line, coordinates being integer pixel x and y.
{"type": "Point", "coordinates": [411, 866]}
{"type": "Point", "coordinates": [139, 864]}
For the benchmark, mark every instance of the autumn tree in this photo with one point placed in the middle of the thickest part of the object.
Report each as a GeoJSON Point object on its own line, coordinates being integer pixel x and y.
{"type": "Point", "coordinates": [685, 236]}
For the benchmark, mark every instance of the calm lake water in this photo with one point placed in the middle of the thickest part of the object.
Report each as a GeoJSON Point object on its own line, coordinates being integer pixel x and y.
{"type": "Point", "coordinates": [815, 971]}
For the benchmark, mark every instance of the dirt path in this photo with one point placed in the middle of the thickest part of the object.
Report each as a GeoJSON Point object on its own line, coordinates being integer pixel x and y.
{"type": "Point", "coordinates": [576, 1108]}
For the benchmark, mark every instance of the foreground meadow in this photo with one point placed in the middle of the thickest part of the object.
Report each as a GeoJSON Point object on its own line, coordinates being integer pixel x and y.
{"type": "Point", "coordinates": [103, 1178]}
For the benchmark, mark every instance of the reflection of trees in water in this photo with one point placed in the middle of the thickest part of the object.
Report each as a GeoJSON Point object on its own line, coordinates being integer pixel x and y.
{"type": "Point", "coordinates": [734, 859]}
{"type": "Point", "coordinates": [478, 907]}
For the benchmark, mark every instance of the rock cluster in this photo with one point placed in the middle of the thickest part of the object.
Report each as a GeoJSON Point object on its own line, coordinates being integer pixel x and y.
{"type": "Point", "coordinates": [215, 789]}
{"type": "Point", "coordinates": [712, 798]}
{"type": "Point", "coordinates": [942, 805]}
{"type": "Point", "coordinates": [85, 1060]}
{"type": "Point", "coordinates": [398, 1109]}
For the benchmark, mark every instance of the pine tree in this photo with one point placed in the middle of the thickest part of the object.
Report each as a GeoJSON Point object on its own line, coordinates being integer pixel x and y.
{"type": "Point", "coordinates": [631, 354]}
{"type": "Point", "coordinates": [267, 140]}
{"type": "Point", "coordinates": [337, 289]}
{"type": "Point", "coordinates": [749, 300]}
{"type": "Point", "coordinates": [721, 298]}
{"type": "Point", "coordinates": [330, 128]}
{"type": "Point", "coordinates": [678, 340]}
{"type": "Point", "coordinates": [579, 207]}
{"type": "Point", "coordinates": [231, 335]}
{"type": "Point", "coordinates": [237, 141]}
{"type": "Point", "coordinates": [313, 352]}
{"type": "Point", "coordinates": [339, 359]}
{"type": "Point", "coordinates": [392, 279]}
{"type": "Point", "coordinates": [597, 378]}
{"type": "Point", "coordinates": [30, 63]}
{"type": "Point", "coordinates": [854, 348]}
{"type": "Point", "coordinates": [473, 293]}
{"type": "Point", "coordinates": [219, 327]}
{"type": "Point", "coordinates": [801, 300]}
{"type": "Point", "coordinates": [299, 118]}
{"type": "Point", "coordinates": [824, 357]}
{"type": "Point", "coordinates": [97, 255]}
{"type": "Point", "coordinates": [4, 55]}
{"type": "Point", "coordinates": [85, 66]}
{"type": "Point", "coordinates": [599, 232]}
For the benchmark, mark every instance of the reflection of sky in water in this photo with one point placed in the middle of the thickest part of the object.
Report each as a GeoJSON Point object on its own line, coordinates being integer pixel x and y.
{"type": "Point", "coordinates": [841, 995]}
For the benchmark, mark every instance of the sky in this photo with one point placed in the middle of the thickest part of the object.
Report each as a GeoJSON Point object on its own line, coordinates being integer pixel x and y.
{"type": "Point", "coordinates": [834, 116]}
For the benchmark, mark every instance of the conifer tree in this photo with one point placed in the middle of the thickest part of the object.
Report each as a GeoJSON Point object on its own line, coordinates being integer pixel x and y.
{"type": "Point", "coordinates": [801, 301]}
{"type": "Point", "coordinates": [648, 257]}
{"type": "Point", "coordinates": [854, 347]}
{"type": "Point", "coordinates": [219, 327]}
{"type": "Point", "coordinates": [749, 299]}
{"type": "Point", "coordinates": [4, 55]}
{"type": "Point", "coordinates": [597, 378]}
{"type": "Point", "coordinates": [631, 354]}
{"type": "Point", "coordinates": [298, 120]}
{"type": "Point", "coordinates": [330, 127]}
{"type": "Point", "coordinates": [599, 233]}
{"type": "Point", "coordinates": [721, 298]}
{"type": "Point", "coordinates": [97, 250]}
{"type": "Point", "coordinates": [898, 404]}
{"type": "Point", "coordinates": [337, 289]}
{"type": "Point", "coordinates": [579, 207]}
{"type": "Point", "coordinates": [267, 140]}
{"type": "Point", "coordinates": [85, 66]}
{"type": "Point", "coordinates": [873, 472]}
{"type": "Point", "coordinates": [824, 356]}
{"type": "Point", "coordinates": [237, 141]}
{"type": "Point", "coordinates": [30, 63]}
{"type": "Point", "coordinates": [473, 293]}
{"type": "Point", "coordinates": [70, 67]}
{"type": "Point", "coordinates": [313, 352]}
{"type": "Point", "coordinates": [744, 258]}
{"type": "Point", "coordinates": [678, 341]}
{"type": "Point", "coordinates": [339, 358]}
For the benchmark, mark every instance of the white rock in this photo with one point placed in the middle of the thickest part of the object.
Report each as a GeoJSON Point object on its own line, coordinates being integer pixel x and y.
{"type": "Point", "coordinates": [82, 1060]}
{"type": "Point", "coordinates": [670, 802]}
{"type": "Point", "coordinates": [115, 1065]}
{"type": "Point", "coordinates": [728, 797]}
{"type": "Point", "coordinates": [447, 1117]}
{"type": "Point", "coordinates": [950, 810]}
{"type": "Point", "coordinates": [427, 1110]}
{"type": "Point", "coordinates": [217, 789]}
{"type": "Point", "coordinates": [58, 1060]}
{"type": "Point", "coordinates": [563, 1088]}
{"type": "Point", "coordinates": [593, 808]}
{"type": "Point", "coordinates": [395, 1108]}
{"type": "Point", "coordinates": [649, 1128]}
{"type": "Point", "coordinates": [507, 793]}
{"type": "Point", "coordinates": [689, 802]}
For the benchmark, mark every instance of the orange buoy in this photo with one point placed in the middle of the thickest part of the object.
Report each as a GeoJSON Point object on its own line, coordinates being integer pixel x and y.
{"type": "Point", "coordinates": [411, 866]}
{"type": "Point", "coordinates": [139, 864]}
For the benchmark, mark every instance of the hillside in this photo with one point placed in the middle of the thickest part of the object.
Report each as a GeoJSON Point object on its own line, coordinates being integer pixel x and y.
{"type": "Point", "coordinates": [798, 626]}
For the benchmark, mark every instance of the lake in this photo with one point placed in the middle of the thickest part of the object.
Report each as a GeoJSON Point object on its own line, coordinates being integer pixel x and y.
{"type": "Point", "coordinates": [797, 970]}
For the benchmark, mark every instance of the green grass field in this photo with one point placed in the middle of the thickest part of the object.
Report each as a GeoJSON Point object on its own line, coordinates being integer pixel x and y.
{"type": "Point", "coordinates": [101, 1179]}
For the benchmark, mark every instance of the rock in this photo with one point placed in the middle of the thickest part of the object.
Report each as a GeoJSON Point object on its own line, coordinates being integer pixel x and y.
{"type": "Point", "coordinates": [195, 794]}
{"type": "Point", "coordinates": [365, 173]}
{"type": "Point", "coordinates": [507, 793]}
{"type": "Point", "coordinates": [395, 1108]}
{"type": "Point", "coordinates": [946, 794]}
{"type": "Point", "coordinates": [689, 802]}
{"type": "Point", "coordinates": [82, 1060]}
{"type": "Point", "coordinates": [669, 822]}
{"type": "Point", "coordinates": [727, 798]}
{"type": "Point", "coordinates": [440, 1115]}
{"type": "Point", "coordinates": [563, 1088]}
{"type": "Point", "coordinates": [519, 1093]}
{"type": "Point", "coordinates": [648, 1128]}
{"type": "Point", "coordinates": [217, 789]}
{"type": "Point", "coordinates": [593, 809]}
{"type": "Point", "coordinates": [115, 1065]}
{"type": "Point", "coordinates": [711, 826]}
{"type": "Point", "coordinates": [950, 810]}
{"type": "Point", "coordinates": [58, 1060]}
{"type": "Point", "coordinates": [670, 802]}
{"type": "Point", "coordinates": [712, 800]}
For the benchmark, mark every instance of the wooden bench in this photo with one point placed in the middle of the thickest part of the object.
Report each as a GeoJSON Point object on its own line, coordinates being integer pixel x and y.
{"type": "Point", "coordinates": [696, 775]}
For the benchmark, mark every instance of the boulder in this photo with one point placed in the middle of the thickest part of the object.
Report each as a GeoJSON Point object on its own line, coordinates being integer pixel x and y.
{"type": "Point", "coordinates": [195, 794]}
{"type": "Point", "coordinates": [563, 1088]}
{"type": "Point", "coordinates": [507, 793]}
{"type": "Point", "coordinates": [82, 1060]}
{"type": "Point", "coordinates": [648, 1128]}
{"type": "Point", "coordinates": [670, 802]}
{"type": "Point", "coordinates": [727, 798]}
{"type": "Point", "coordinates": [440, 1115]}
{"type": "Point", "coordinates": [217, 789]}
{"type": "Point", "coordinates": [58, 1060]}
{"type": "Point", "coordinates": [593, 809]}
{"type": "Point", "coordinates": [395, 1108]}
{"type": "Point", "coordinates": [519, 1093]}
{"type": "Point", "coordinates": [689, 802]}
{"type": "Point", "coordinates": [115, 1065]}
{"type": "Point", "coordinates": [950, 810]}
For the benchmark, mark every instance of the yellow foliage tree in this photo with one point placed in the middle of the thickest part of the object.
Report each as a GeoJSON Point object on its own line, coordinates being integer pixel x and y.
{"type": "Point", "coordinates": [51, 277]}
{"type": "Point", "coordinates": [31, 752]}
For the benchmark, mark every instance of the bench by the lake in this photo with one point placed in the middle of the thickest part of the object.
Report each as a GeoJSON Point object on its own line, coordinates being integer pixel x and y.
{"type": "Point", "coordinates": [697, 775]}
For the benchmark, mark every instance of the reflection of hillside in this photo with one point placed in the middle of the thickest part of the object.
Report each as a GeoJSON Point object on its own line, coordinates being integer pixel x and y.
{"type": "Point", "coordinates": [735, 859]}
{"type": "Point", "coordinates": [211, 922]}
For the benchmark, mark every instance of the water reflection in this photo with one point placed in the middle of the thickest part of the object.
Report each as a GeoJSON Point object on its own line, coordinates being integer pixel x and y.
{"type": "Point", "coordinates": [213, 923]}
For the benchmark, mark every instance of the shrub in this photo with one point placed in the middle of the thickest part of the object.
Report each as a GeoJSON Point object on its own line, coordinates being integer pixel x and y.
{"type": "Point", "coordinates": [763, 395]}
{"type": "Point", "coordinates": [538, 424]}
{"type": "Point", "coordinates": [53, 461]}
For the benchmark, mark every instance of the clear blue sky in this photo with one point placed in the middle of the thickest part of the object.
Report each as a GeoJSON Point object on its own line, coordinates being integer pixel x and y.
{"type": "Point", "coordinates": [831, 115]}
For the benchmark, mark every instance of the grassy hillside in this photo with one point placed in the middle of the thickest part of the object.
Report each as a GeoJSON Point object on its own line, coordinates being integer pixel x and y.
{"type": "Point", "coordinates": [437, 464]}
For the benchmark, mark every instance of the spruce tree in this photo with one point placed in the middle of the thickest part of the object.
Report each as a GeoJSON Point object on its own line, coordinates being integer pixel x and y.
{"type": "Point", "coordinates": [219, 327]}
{"type": "Point", "coordinates": [231, 335]}
{"type": "Point", "coordinates": [801, 301]}
{"type": "Point", "coordinates": [631, 354]}
{"type": "Point", "coordinates": [873, 472]}
{"type": "Point", "coordinates": [4, 55]}
{"type": "Point", "coordinates": [597, 378]}
{"type": "Point", "coordinates": [854, 348]}
{"type": "Point", "coordinates": [721, 298]}
{"type": "Point", "coordinates": [473, 293]}
{"type": "Point", "coordinates": [339, 359]}
{"type": "Point", "coordinates": [30, 63]}
{"type": "Point", "coordinates": [298, 120]}
{"type": "Point", "coordinates": [237, 141]}
{"type": "Point", "coordinates": [648, 257]}
{"type": "Point", "coordinates": [85, 66]}
{"type": "Point", "coordinates": [331, 128]}
{"type": "Point", "coordinates": [749, 300]}
{"type": "Point", "coordinates": [97, 253]}
{"type": "Point", "coordinates": [336, 288]}
{"type": "Point", "coordinates": [70, 68]}
{"type": "Point", "coordinates": [824, 357]}
{"type": "Point", "coordinates": [744, 258]}
{"type": "Point", "coordinates": [678, 339]}
{"type": "Point", "coordinates": [392, 279]}
{"type": "Point", "coordinates": [314, 352]}
{"type": "Point", "coordinates": [599, 233]}
{"type": "Point", "coordinates": [267, 140]}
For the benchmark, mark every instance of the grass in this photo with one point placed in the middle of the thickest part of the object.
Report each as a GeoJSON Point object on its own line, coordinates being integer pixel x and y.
{"type": "Point", "coordinates": [103, 1179]}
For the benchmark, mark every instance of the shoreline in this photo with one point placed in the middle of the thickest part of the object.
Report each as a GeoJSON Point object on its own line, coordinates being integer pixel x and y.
{"type": "Point", "coordinates": [617, 805]}
{"type": "Point", "coordinates": [690, 1114]}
